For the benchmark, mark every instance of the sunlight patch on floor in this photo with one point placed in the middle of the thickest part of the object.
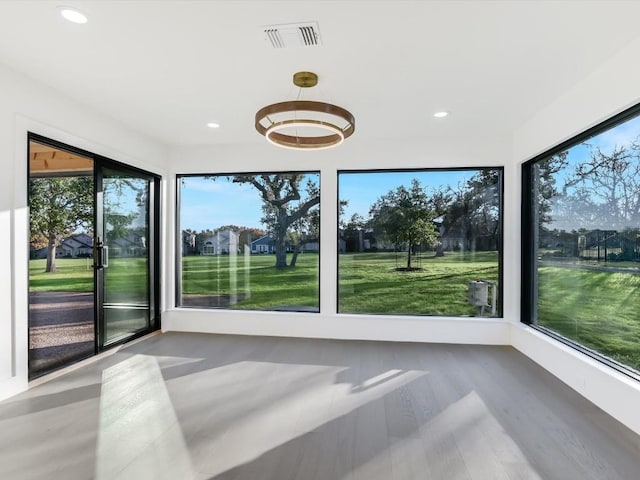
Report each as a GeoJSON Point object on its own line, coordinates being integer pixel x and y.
{"type": "Point", "coordinates": [139, 435]}
{"type": "Point", "coordinates": [302, 411]}
{"type": "Point", "coordinates": [476, 437]}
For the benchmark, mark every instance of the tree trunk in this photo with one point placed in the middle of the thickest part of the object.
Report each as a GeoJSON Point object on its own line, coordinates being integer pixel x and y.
{"type": "Point", "coordinates": [409, 258]}
{"type": "Point", "coordinates": [440, 250]}
{"type": "Point", "coordinates": [294, 258]}
{"type": "Point", "coordinates": [51, 255]}
{"type": "Point", "coordinates": [281, 242]}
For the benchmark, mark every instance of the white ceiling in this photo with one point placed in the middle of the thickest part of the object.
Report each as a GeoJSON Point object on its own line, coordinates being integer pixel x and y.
{"type": "Point", "coordinates": [166, 68]}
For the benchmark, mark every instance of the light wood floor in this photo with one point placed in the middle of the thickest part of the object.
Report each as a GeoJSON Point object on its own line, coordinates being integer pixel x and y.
{"type": "Point", "coordinates": [182, 406]}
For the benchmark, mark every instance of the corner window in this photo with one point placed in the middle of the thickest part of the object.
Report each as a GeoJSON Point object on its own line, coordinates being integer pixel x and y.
{"type": "Point", "coordinates": [581, 242]}
{"type": "Point", "coordinates": [420, 242]}
{"type": "Point", "coordinates": [249, 241]}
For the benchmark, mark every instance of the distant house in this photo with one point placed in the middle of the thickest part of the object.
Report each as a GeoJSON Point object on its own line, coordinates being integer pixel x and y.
{"type": "Point", "coordinates": [188, 243]}
{"type": "Point", "coordinates": [130, 246]}
{"type": "Point", "coordinates": [79, 245]}
{"type": "Point", "coordinates": [221, 243]}
{"type": "Point", "coordinates": [264, 244]}
{"type": "Point", "coordinates": [311, 246]}
{"type": "Point", "coordinates": [267, 244]}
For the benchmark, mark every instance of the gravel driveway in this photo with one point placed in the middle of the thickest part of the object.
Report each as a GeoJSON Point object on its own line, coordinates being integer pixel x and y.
{"type": "Point", "coordinates": [61, 330]}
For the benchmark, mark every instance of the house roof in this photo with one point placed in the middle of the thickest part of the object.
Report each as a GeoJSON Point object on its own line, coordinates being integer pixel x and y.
{"type": "Point", "coordinates": [78, 239]}
{"type": "Point", "coordinates": [264, 237]}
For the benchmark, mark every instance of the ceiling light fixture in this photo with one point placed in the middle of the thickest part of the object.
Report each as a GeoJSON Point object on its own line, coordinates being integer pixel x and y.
{"type": "Point", "coordinates": [213, 125]}
{"type": "Point", "coordinates": [73, 15]}
{"type": "Point", "coordinates": [440, 114]}
{"type": "Point", "coordinates": [304, 124]}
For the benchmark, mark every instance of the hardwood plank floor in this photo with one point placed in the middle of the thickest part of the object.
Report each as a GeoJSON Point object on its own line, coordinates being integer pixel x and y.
{"type": "Point", "coordinates": [213, 407]}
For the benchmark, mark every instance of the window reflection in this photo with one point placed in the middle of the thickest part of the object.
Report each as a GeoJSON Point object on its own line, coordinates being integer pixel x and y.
{"type": "Point", "coordinates": [586, 221]}
{"type": "Point", "coordinates": [250, 241]}
{"type": "Point", "coordinates": [412, 242]}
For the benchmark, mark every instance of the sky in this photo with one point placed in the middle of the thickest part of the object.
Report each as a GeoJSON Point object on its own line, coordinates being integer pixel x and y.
{"type": "Point", "coordinates": [209, 204]}
{"type": "Point", "coordinates": [620, 135]}
{"type": "Point", "coordinates": [623, 134]}
{"type": "Point", "coordinates": [363, 189]}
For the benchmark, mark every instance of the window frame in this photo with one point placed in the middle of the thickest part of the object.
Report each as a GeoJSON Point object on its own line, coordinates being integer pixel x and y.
{"type": "Point", "coordinates": [529, 234]}
{"type": "Point", "coordinates": [499, 168]}
{"type": "Point", "coordinates": [178, 238]}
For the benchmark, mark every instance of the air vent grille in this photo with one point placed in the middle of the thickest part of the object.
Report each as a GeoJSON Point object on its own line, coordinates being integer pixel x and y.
{"type": "Point", "coordinates": [293, 35]}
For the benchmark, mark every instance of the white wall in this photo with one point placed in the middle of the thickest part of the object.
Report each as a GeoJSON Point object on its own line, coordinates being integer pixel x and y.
{"type": "Point", "coordinates": [353, 154]}
{"type": "Point", "coordinates": [26, 105]}
{"type": "Point", "coordinates": [609, 90]}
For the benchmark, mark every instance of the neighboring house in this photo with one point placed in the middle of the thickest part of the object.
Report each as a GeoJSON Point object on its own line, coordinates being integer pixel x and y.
{"type": "Point", "coordinates": [188, 243]}
{"type": "Point", "coordinates": [264, 244]}
{"type": "Point", "coordinates": [311, 246]}
{"type": "Point", "coordinates": [133, 245]}
{"type": "Point", "coordinates": [221, 243]}
{"type": "Point", "coordinates": [79, 245]}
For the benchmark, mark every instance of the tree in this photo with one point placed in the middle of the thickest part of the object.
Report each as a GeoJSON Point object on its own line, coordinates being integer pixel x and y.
{"type": "Point", "coordinates": [406, 217]}
{"type": "Point", "coordinates": [119, 225]}
{"type": "Point", "coordinates": [58, 207]}
{"type": "Point", "coordinates": [283, 205]}
{"type": "Point", "coordinates": [603, 192]}
{"type": "Point", "coordinates": [352, 233]}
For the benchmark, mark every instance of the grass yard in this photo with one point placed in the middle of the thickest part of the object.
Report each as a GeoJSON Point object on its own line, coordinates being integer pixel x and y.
{"type": "Point", "coordinates": [369, 283]}
{"type": "Point", "coordinates": [254, 279]}
{"type": "Point", "coordinates": [599, 309]}
{"type": "Point", "coordinates": [126, 277]}
{"type": "Point", "coordinates": [72, 275]}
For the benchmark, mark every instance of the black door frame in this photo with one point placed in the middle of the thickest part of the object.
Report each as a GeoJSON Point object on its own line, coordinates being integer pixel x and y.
{"type": "Point", "coordinates": [154, 244]}
{"type": "Point", "coordinates": [153, 251]}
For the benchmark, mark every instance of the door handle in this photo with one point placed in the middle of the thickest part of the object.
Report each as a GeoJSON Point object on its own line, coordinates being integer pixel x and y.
{"type": "Point", "coordinates": [99, 254]}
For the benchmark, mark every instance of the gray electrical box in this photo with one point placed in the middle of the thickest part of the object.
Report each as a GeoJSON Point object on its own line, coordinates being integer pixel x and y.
{"type": "Point", "coordinates": [479, 293]}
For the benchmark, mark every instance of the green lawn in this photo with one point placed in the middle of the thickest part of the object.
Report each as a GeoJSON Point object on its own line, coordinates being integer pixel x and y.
{"type": "Point", "coordinates": [599, 309]}
{"type": "Point", "coordinates": [370, 283]}
{"type": "Point", "coordinates": [72, 275]}
{"type": "Point", "coordinates": [126, 277]}
{"type": "Point", "coordinates": [254, 279]}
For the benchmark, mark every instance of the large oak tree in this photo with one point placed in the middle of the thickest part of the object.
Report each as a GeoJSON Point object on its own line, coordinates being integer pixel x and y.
{"type": "Point", "coordinates": [405, 216]}
{"type": "Point", "coordinates": [58, 207]}
{"type": "Point", "coordinates": [287, 201]}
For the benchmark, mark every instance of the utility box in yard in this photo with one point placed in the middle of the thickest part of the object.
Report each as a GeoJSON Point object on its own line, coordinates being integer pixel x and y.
{"type": "Point", "coordinates": [479, 293]}
{"type": "Point", "coordinates": [478, 296]}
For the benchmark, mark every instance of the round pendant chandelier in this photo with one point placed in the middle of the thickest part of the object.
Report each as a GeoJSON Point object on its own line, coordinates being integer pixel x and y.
{"type": "Point", "coordinates": [304, 124]}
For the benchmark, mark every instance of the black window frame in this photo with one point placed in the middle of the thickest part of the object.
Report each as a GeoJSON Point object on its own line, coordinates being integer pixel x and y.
{"type": "Point", "coordinates": [178, 239]}
{"type": "Point", "coordinates": [528, 231]}
{"type": "Point", "coordinates": [499, 168]}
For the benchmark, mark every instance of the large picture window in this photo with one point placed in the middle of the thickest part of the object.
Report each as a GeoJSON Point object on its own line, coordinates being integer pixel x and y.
{"type": "Point", "coordinates": [420, 242]}
{"type": "Point", "coordinates": [249, 241]}
{"type": "Point", "coordinates": [581, 242]}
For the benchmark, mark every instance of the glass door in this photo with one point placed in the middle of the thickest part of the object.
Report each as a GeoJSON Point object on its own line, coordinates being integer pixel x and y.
{"type": "Point", "coordinates": [94, 263]}
{"type": "Point", "coordinates": [124, 253]}
{"type": "Point", "coordinates": [61, 280]}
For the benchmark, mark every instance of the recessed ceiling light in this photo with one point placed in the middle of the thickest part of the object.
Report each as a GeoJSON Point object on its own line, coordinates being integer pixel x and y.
{"type": "Point", "coordinates": [440, 114]}
{"type": "Point", "coordinates": [73, 15]}
{"type": "Point", "coordinates": [213, 125]}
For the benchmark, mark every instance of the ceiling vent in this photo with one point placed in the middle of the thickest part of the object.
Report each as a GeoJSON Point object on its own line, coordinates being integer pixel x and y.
{"type": "Point", "coordinates": [293, 35]}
